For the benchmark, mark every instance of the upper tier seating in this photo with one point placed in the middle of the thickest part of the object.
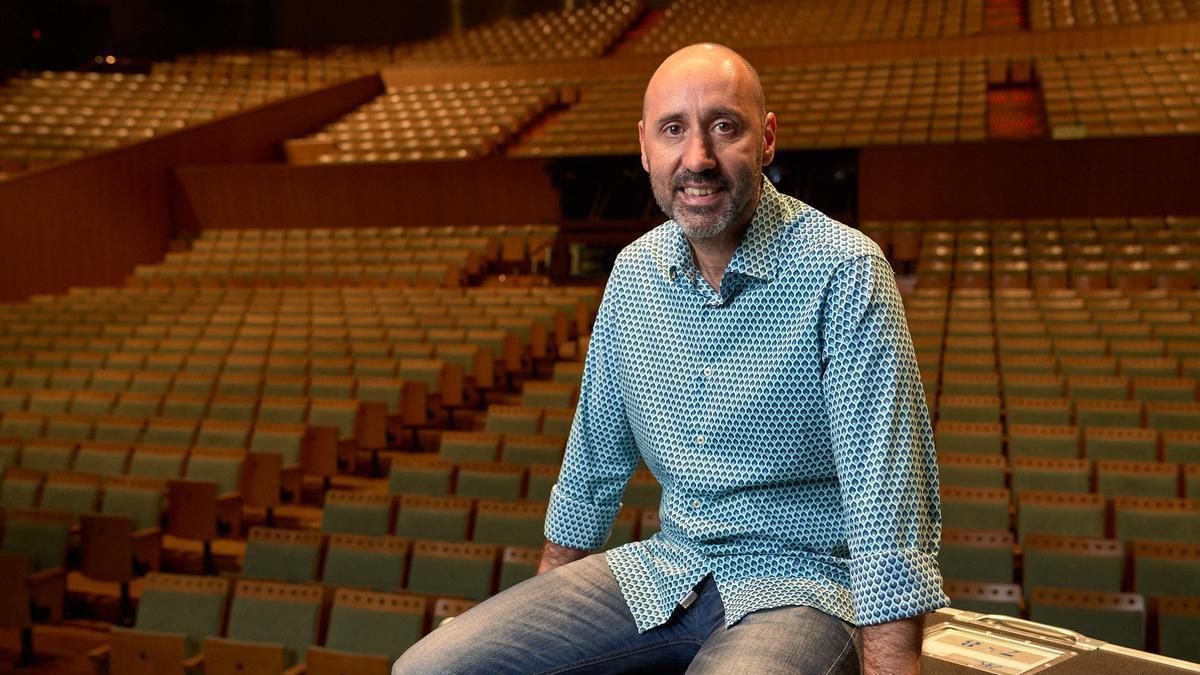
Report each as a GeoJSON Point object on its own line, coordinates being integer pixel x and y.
{"type": "Point", "coordinates": [414, 123]}
{"type": "Point", "coordinates": [767, 23]}
{"type": "Point", "coordinates": [1068, 14]}
{"type": "Point", "coordinates": [585, 32]}
{"type": "Point", "coordinates": [1139, 92]}
{"type": "Point", "coordinates": [824, 105]}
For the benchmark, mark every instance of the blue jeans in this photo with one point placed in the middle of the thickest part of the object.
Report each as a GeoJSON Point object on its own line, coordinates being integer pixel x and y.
{"type": "Point", "coordinates": [574, 619]}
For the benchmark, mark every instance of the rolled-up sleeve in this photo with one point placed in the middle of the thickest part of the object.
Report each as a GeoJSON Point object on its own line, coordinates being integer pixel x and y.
{"type": "Point", "coordinates": [882, 445]}
{"type": "Point", "coordinates": [601, 452]}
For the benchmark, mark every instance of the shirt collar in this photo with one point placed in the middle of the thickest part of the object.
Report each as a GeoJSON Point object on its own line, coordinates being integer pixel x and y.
{"type": "Point", "coordinates": [760, 253]}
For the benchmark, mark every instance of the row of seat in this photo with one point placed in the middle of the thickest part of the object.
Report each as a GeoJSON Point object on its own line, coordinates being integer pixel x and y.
{"type": "Point", "coordinates": [444, 123]}
{"type": "Point", "coordinates": [1170, 479]}
{"type": "Point", "coordinates": [1069, 14]}
{"type": "Point", "coordinates": [827, 105]}
{"type": "Point", "coordinates": [1071, 513]}
{"type": "Point", "coordinates": [49, 116]}
{"type": "Point", "coordinates": [1169, 238]}
{"type": "Point", "coordinates": [314, 66]}
{"type": "Point", "coordinates": [580, 32]}
{"type": "Point", "coordinates": [1165, 625]}
{"type": "Point", "coordinates": [1122, 93]}
{"type": "Point", "coordinates": [771, 24]}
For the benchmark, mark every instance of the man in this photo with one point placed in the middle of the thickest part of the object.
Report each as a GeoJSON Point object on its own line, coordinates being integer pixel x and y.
{"type": "Point", "coordinates": [755, 354]}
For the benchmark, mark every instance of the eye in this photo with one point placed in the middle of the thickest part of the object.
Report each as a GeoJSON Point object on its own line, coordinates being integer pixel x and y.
{"type": "Point", "coordinates": [724, 127]}
{"type": "Point", "coordinates": [673, 129]}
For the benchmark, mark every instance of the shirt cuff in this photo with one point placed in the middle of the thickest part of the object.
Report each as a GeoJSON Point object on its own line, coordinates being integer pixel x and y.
{"type": "Point", "coordinates": [892, 585]}
{"type": "Point", "coordinates": [577, 524]}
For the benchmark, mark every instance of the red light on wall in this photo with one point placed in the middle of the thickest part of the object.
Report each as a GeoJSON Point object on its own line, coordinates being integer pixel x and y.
{"type": "Point", "coordinates": [37, 34]}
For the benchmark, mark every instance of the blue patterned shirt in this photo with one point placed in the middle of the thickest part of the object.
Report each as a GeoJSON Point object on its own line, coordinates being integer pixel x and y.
{"type": "Point", "coordinates": [784, 417]}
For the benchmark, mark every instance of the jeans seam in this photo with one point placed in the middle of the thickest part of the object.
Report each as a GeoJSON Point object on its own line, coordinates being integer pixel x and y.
{"type": "Point", "coordinates": [841, 655]}
{"type": "Point", "coordinates": [609, 657]}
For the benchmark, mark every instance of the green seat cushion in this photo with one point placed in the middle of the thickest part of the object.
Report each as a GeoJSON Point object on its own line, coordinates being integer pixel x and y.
{"type": "Point", "coordinates": [143, 506]}
{"type": "Point", "coordinates": [291, 624]}
{"type": "Point", "coordinates": [195, 615]}
{"type": "Point", "coordinates": [279, 561]}
{"type": "Point", "coordinates": [379, 571]}
{"type": "Point", "coordinates": [361, 631]}
{"type": "Point", "coordinates": [45, 544]}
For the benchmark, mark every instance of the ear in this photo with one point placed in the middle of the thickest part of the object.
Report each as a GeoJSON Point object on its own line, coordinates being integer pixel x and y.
{"type": "Point", "coordinates": [769, 126]}
{"type": "Point", "coordinates": [642, 143]}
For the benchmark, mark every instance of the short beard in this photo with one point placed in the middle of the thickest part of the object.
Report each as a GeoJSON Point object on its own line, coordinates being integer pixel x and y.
{"type": "Point", "coordinates": [706, 229]}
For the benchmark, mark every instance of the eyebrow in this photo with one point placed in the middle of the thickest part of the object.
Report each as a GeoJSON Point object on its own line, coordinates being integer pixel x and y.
{"type": "Point", "coordinates": [715, 112]}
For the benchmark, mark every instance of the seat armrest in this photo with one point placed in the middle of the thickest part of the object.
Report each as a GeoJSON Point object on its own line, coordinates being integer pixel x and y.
{"type": "Point", "coordinates": [48, 592]}
{"type": "Point", "coordinates": [193, 665]}
{"type": "Point", "coordinates": [147, 548]}
{"type": "Point", "coordinates": [99, 659]}
{"type": "Point", "coordinates": [229, 512]}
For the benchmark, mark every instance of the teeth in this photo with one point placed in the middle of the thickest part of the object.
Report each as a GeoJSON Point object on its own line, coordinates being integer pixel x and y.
{"type": "Point", "coordinates": [698, 192]}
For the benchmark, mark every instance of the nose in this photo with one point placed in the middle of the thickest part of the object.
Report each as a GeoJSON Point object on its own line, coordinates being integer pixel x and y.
{"type": "Point", "coordinates": [698, 156]}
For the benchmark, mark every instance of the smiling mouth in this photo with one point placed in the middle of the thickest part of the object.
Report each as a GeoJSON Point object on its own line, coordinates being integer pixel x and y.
{"type": "Point", "coordinates": [699, 191]}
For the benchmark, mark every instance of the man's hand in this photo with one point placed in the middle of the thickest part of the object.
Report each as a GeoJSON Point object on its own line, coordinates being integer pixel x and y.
{"type": "Point", "coordinates": [892, 648]}
{"type": "Point", "coordinates": [554, 555]}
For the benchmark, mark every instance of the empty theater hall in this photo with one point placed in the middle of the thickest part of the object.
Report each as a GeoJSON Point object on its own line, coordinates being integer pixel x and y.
{"type": "Point", "coordinates": [600, 336]}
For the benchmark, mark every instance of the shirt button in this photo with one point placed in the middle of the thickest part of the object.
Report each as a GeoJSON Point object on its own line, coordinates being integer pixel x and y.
{"type": "Point", "coordinates": [700, 440]}
{"type": "Point", "coordinates": [708, 371]}
{"type": "Point", "coordinates": [695, 503]}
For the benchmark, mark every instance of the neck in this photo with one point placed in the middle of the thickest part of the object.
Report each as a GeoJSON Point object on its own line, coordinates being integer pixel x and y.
{"type": "Point", "coordinates": [713, 255]}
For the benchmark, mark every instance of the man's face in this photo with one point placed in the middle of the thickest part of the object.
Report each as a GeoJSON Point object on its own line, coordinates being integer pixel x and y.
{"type": "Point", "coordinates": [704, 140]}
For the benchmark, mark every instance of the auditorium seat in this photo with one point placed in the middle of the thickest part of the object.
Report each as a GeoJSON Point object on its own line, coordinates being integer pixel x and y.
{"type": "Point", "coordinates": [367, 632]}
{"type": "Point", "coordinates": [518, 564]}
{"type": "Point", "coordinates": [270, 626]}
{"type": "Point", "coordinates": [456, 569]}
{"type": "Point", "coordinates": [282, 555]}
{"type": "Point", "coordinates": [1160, 519]}
{"type": "Point", "coordinates": [490, 480]}
{"type": "Point", "coordinates": [161, 461]}
{"type": "Point", "coordinates": [1119, 618]}
{"type": "Point", "coordinates": [365, 561]}
{"type": "Point", "coordinates": [1057, 561]}
{"type": "Point", "coordinates": [1165, 568]}
{"type": "Point", "coordinates": [140, 500]}
{"type": "Point", "coordinates": [20, 488]}
{"type": "Point", "coordinates": [443, 518]}
{"type": "Point", "coordinates": [970, 470]}
{"type": "Point", "coordinates": [175, 614]}
{"type": "Point", "coordinates": [1116, 478]}
{"type": "Point", "coordinates": [70, 493]}
{"type": "Point", "coordinates": [1177, 623]}
{"type": "Point", "coordinates": [1043, 441]}
{"type": "Point", "coordinates": [470, 446]}
{"type": "Point", "coordinates": [532, 449]}
{"type": "Point", "coordinates": [984, 556]}
{"type": "Point", "coordinates": [47, 455]}
{"type": "Point", "coordinates": [1060, 513]}
{"type": "Point", "coordinates": [102, 459]}
{"type": "Point", "coordinates": [973, 596]}
{"type": "Point", "coordinates": [357, 512]}
{"type": "Point", "coordinates": [1120, 443]}
{"type": "Point", "coordinates": [542, 477]}
{"type": "Point", "coordinates": [509, 524]}
{"type": "Point", "coordinates": [420, 474]}
{"type": "Point", "coordinates": [965, 437]}
{"type": "Point", "coordinates": [1051, 474]}
{"type": "Point", "coordinates": [42, 538]}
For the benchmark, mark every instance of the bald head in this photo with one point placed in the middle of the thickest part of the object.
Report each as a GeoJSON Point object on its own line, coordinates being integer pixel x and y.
{"type": "Point", "coordinates": [706, 61]}
{"type": "Point", "coordinates": [705, 135]}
